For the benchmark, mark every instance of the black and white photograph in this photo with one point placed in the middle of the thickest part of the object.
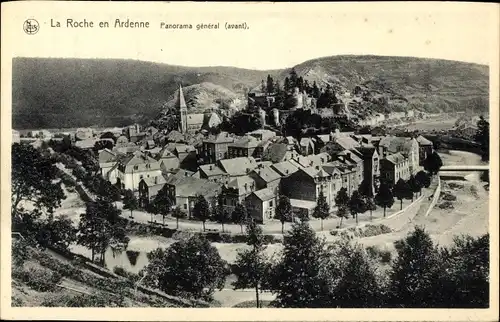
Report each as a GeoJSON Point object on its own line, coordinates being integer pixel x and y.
{"type": "Point", "coordinates": [251, 163]}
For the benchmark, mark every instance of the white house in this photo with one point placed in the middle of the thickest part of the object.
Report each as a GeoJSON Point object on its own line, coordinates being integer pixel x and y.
{"type": "Point", "coordinates": [136, 167]}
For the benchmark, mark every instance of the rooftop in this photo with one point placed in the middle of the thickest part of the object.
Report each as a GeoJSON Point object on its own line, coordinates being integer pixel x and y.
{"type": "Point", "coordinates": [284, 168]}
{"type": "Point", "coordinates": [238, 166]}
{"type": "Point", "coordinates": [396, 158]}
{"type": "Point", "coordinates": [265, 194]}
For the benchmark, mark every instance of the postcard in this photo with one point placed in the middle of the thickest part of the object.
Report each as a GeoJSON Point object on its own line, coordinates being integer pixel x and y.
{"type": "Point", "coordinates": [240, 161]}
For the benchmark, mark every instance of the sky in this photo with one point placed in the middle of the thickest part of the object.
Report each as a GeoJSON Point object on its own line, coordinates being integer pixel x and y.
{"type": "Point", "coordinates": [280, 35]}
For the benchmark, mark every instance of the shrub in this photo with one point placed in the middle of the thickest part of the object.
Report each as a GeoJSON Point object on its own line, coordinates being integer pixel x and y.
{"type": "Point", "coordinates": [374, 230]}
{"type": "Point", "coordinates": [448, 196]}
{"type": "Point", "coordinates": [19, 252]}
{"type": "Point", "coordinates": [17, 302]}
{"type": "Point", "coordinates": [39, 279]}
{"type": "Point", "coordinates": [383, 256]}
{"type": "Point", "coordinates": [118, 270]}
{"type": "Point", "coordinates": [446, 205]}
{"type": "Point", "coordinates": [334, 232]}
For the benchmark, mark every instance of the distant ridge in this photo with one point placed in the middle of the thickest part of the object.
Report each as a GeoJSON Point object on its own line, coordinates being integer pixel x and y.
{"type": "Point", "coordinates": [53, 92]}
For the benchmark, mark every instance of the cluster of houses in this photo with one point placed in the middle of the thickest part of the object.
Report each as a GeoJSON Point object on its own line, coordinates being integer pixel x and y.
{"type": "Point", "coordinates": [257, 168]}
{"type": "Point", "coordinates": [254, 169]}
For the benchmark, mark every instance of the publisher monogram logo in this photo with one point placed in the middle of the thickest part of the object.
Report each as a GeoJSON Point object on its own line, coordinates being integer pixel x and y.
{"type": "Point", "coordinates": [31, 26]}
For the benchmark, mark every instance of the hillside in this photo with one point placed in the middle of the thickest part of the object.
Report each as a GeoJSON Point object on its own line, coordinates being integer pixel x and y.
{"type": "Point", "coordinates": [50, 92]}
{"type": "Point", "coordinates": [51, 280]}
{"type": "Point", "coordinates": [200, 97]}
{"type": "Point", "coordinates": [432, 85]}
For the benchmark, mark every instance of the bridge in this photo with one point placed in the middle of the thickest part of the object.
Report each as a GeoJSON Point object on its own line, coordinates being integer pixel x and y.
{"type": "Point", "coordinates": [463, 168]}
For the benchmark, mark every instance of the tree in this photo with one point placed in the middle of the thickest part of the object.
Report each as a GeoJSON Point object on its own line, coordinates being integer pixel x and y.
{"type": "Point", "coordinates": [356, 205]}
{"type": "Point", "coordinates": [191, 267]}
{"type": "Point", "coordinates": [414, 185]}
{"type": "Point", "coordinates": [384, 198]}
{"type": "Point", "coordinates": [351, 276]}
{"type": "Point", "coordinates": [163, 203]}
{"type": "Point", "coordinates": [177, 213]}
{"type": "Point", "coordinates": [80, 173]}
{"type": "Point", "coordinates": [402, 191]}
{"type": "Point", "coordinates": [415, 271]}
{"type": "Point", "coordinates": [423, 179]}
{"type": "Point", "coordinates": [341, 201]}
{"type": "Point", "coordinates": [464, 281]}
{"type": "Point", "coordinates": [369, 203]}
{"type": "Point", "coordinates": [433, 163]}
{"type": "Point", "coordinates": [240, 215]}
{"type": "Point", "coordinates": [101, 226]}
{"type": "Point", "coordinates": [296, 279]}
{"type": "Point", "coordinates": [60, 232]}
{"type": "Point", "coordinates": [315, 90]}
{"type": "Point", "coordinates": [130, 201]}
{"type": "Point", "coordinates": [322, 209]}
{"type": "Point", "coordinates": [483, 137]}
{"type": "Point", "coordinates": [201, 210]}
{"type": "Point", "coordinates": [103, 144]}
{"type": "Point", "coordinates": [33, 180]}
{"type": "Point", "coordinates": [221, 215]}
{"type": "Point", "coordinates": [251, 264]}
{"type": "Point", "coordinates": [283, 211]}
{"type": "Point", "coordinates": [287, 87]}
{"type": "Point", "coordinates": [270, 84]}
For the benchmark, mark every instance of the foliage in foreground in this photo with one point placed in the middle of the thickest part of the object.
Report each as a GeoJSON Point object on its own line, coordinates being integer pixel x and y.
{"type": "Point", "coordinates": [189, 267]}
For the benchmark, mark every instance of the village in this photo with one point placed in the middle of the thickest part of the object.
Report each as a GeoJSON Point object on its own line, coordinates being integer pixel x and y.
{"type": "Point", "coordinates": [253, 169]}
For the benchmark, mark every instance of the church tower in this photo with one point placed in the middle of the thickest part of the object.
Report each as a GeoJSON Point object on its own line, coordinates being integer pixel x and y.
{"type": "Point", "coordinates": [182, 110]}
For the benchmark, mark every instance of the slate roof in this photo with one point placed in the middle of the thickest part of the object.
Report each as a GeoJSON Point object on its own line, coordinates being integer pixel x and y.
{"type": "Point", "coordinates": [211, 170]}
{"type": "Point", "coordinates": [396, 158]}
{"type": "Point", "coordinates": [275, 152]}
{"type": "Point", "coordinates": [222, 137]}
{"type": "Point", "coordinates": [267, 174]}
{"type": "Point", "coordinates": [423, 141]}
{"type": "Point", "coordinates": [243, 184]}
{"type": "Point", "coordinates": [184, 148]}
{"type": "Point", "coordinates": [153, 181]}
{"type": "Point", "coordinates": [106, 156]}
{"type": "Point", "coordinates": [265, 194]}
{"type": "Point", "coordinates": [190, 187]}
{"type": "Point", "coordinates": [138, 161]}
{"type": "Point", "coordinates": [195, 119]}
{"type": "Point", "coordinates": [247, 142]}
{"type": "Point", "coordinates": [346, 142]}
{"type": "Point", "coordinates": [284, 168]}
{"type": "Point", "coordinates": [238, 166]}
{"type": "Point", "coordinates": [396, 144]}
{"type": "Point", "coordinates": [316, 172]}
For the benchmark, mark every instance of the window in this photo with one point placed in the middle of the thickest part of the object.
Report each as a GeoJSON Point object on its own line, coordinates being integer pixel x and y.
{"type": "Point", "coordinates": [270, 203]}
{"type": "Point", "coordinates": [141, 176]}
{"type": "Point", "coordinates": [185, 206]}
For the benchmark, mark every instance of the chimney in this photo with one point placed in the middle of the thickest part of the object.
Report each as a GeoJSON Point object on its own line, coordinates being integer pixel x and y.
{"type": "Point", "coordinates": [310, 163]}
{"type": "Point", "coordinates": [317, 167]}
{"type": "Point", "coordinates": [211, 167]}
{"type": "Point", "coordinates": [286, 171]}
{"type": "Point", "coordinates": [248, 170]}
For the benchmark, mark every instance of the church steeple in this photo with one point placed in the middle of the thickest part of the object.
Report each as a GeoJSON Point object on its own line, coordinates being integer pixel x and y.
{"type": "Point", "coordinates": [182, 110]}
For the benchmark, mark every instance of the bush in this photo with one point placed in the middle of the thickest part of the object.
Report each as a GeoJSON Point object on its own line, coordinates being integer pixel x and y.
{"type": "Point", "coordinates": [17, 302]}
{"type": "Point", "coordinates": [375, 230]}
{"type": "Point", "coordinates": [39, 279]}
{"type": "Point", "coordinates": [448, 196]}
{"type": "Point", "coordinates": [334, 232]}
{"type": "Point", "coordinates": [446, 205]}
{"type": "Point", "coordinates": [383, 256]}
{"type": "Point", "coordinates": [118, 270]}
